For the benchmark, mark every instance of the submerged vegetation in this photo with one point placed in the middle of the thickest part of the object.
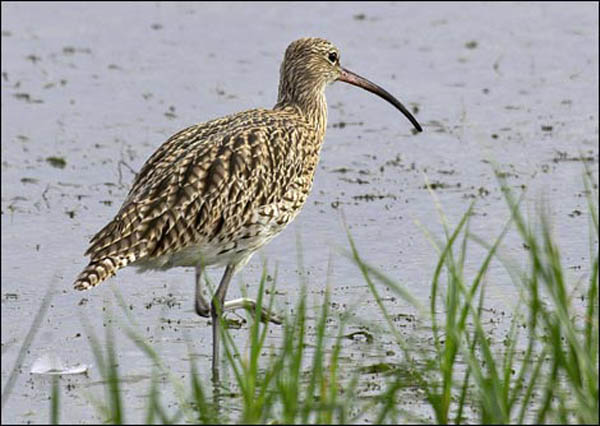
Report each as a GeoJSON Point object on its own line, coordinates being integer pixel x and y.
{"type": "Point", "coordinates": [542, 369]}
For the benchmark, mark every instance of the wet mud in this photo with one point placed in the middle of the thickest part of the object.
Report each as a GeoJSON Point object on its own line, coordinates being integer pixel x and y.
{"type": "Point", "coordinates": [89, 94]}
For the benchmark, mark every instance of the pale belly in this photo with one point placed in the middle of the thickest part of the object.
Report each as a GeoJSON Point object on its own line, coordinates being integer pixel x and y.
{"type": "Point", "coordinates": [205, 255]}
{"type": "Point", "coordinates": [235, 250]}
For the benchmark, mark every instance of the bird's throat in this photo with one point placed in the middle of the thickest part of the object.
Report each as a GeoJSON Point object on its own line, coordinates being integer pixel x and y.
{"type": "Point", "coordinates": [312, 108]}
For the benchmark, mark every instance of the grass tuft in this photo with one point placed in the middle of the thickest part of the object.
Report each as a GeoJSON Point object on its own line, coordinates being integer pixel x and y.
{"type": "Point", "coordinates": [542, 368]}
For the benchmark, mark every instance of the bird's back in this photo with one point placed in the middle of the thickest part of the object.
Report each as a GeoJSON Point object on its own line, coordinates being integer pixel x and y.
{"type": "Point", "coordinates": [211, 193]}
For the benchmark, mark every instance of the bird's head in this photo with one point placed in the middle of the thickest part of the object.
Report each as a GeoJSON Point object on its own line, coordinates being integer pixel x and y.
{"type": "Point", "coordinates": [310, 64]}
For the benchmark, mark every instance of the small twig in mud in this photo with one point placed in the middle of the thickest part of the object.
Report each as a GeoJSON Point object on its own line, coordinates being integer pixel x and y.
{"type": "Point", "coordinates": [44, 196]}
{"type": "Point", "coordinates": [123, 162]}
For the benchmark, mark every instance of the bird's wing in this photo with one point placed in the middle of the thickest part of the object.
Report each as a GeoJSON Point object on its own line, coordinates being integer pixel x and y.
{"type": "Point", "coordinates": [204, 183]}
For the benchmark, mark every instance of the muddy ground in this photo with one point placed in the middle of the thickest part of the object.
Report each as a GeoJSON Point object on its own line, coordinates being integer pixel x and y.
{"type": "Point", "coordinates": [89, 91]}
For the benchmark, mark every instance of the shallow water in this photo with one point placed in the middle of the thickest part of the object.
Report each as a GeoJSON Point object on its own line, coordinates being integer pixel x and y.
{"type": "Point", "coordinates": [100, 86]}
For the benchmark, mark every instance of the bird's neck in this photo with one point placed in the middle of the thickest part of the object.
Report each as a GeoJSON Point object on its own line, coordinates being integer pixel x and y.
{"type": "Point", "coordinates": [312, 106]}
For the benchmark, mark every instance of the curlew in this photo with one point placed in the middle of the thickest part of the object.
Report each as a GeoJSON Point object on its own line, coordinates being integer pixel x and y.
{"type": "Point", "coordinates": [216, 192]}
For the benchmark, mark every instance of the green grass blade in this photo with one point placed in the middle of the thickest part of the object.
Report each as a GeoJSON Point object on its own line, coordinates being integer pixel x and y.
{"type": "Point", "coordinates": [55, 401]}
{"type": "Point", "coordinates": [33, 329]}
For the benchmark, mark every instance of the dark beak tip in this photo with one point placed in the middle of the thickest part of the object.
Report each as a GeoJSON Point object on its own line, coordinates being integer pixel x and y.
{"type": "Point", "coordinates": [348, 76]}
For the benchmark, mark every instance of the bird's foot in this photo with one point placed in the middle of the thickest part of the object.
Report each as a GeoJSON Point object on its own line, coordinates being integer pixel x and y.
{"type": "Point", "coordinates": [250, 305]}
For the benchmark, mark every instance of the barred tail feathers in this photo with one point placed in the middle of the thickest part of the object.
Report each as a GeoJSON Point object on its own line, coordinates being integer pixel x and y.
{"type": "Point", "coordinates": [97, 271]}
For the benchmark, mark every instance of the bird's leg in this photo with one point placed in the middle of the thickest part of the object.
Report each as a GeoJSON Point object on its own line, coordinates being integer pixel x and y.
{"type": "Point", "coordinates": [250, 304]}
{"type": "Point", "coordinates": [216, 312]}
{"type": "Point", "coordinates": [201, 305]}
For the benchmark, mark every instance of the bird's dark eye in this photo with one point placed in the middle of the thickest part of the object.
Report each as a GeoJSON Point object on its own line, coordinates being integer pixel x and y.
{"type": "Point", "coordinates": [333, 57]}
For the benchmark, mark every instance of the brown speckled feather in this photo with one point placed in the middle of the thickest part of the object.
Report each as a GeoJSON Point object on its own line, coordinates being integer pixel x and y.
{"type": "Point", "coordinates": [244, 176]}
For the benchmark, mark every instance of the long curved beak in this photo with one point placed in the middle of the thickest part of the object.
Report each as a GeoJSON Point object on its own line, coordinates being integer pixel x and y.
{"type": "Point", "coordinates": [355, 79]}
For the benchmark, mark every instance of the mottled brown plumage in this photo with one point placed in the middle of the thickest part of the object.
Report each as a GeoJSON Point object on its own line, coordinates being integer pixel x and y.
{"type": "Point", "coordinates": [216, 192]}
{"type": "Point", "coordinates": [212, 194]}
